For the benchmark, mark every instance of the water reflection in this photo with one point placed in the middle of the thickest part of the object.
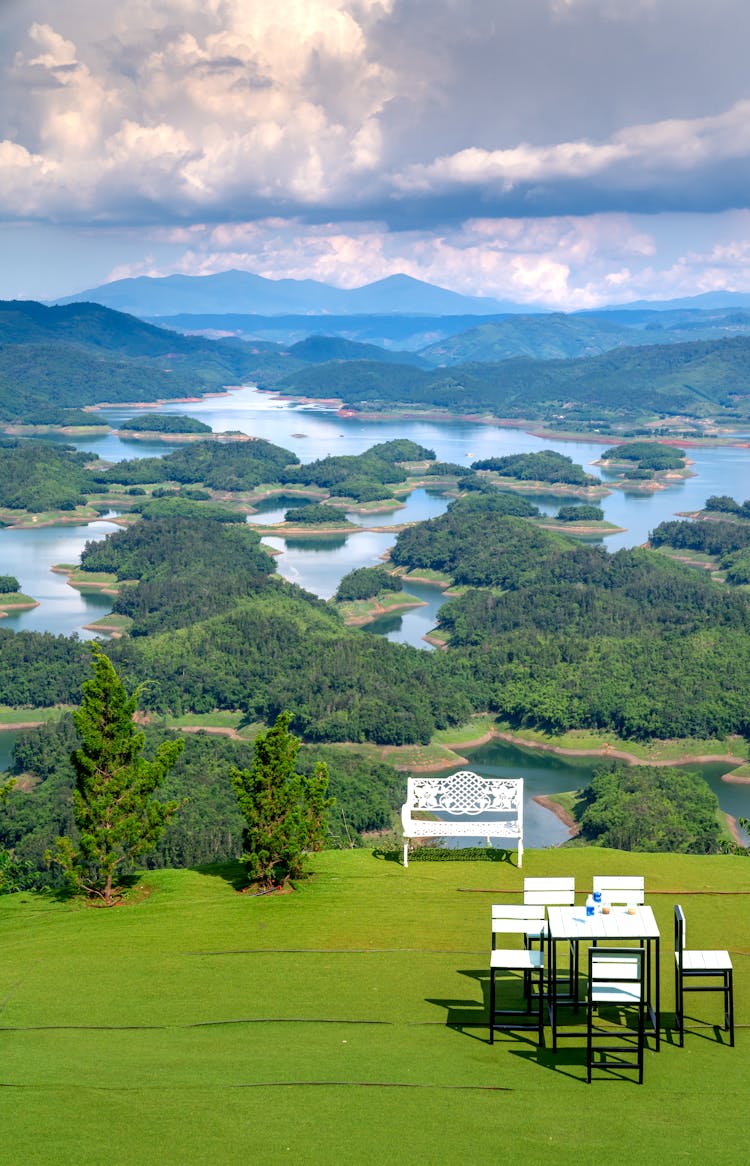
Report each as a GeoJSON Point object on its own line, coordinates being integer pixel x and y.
{"type": "Point", "coordinates": [313, 431]}
{"type": "Point", "coordinates": [29, 555]}
{"type": "Point", "coordinates": [319, 563]}
{"type": "Point", "coordinates": [552, 773]}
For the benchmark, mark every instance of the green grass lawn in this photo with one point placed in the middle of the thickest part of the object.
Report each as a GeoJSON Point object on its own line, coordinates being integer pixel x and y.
{"type": "Point", "coordinates": [343, 1022]}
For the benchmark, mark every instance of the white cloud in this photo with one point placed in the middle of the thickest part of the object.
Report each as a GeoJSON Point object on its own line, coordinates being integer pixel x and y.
{"type": "Point", "coordinates": [675, 144]}
{"type": "Point", "coordinates": [274, 101]}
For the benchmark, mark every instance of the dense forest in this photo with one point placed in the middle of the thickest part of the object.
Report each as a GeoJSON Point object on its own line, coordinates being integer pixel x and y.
{"type": "Point", "coordinates": [165, 423]}
{"type": "Point", "coordinates": [544, 466]}
{"type": "Point", "coordinates": [545, 632]}
{"type": "Point", "coordinates": [649, 808]}
{"type": "Point", "coordinates": [82, 354]}
{"type": "Point", "coordinates": [37, 476]}
{"type": "Point", "coordinates": [700, 379]}
{"type": "Point", "coordinates": [209, 826]}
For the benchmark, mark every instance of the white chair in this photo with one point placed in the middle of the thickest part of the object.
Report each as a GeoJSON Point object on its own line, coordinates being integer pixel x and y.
{"type": "Point", "coordinates": [617, 979]}
{"type": "Point", "coordinates": [559, 892]}
{"type": "Point", "coordinates": [506, 917]}
{"type": "Point", "coordinates": [693, 964]}
{"type": "Point", "coordinates": [521, 922]}
{"type": "Point", "coordinates": [555, 892]}
{"type": "Point", "coordinates": [621, 889]}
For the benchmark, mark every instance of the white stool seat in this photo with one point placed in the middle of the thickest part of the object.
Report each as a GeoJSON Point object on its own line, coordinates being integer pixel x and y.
{"type": "Point", "coordinates": [517, 959]}
{"type": "Point", "coordinates": [703, 963]}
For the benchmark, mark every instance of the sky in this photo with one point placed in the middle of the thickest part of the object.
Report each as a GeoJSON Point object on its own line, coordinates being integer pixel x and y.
{"type": "Point", "coordinates": [565, 153]}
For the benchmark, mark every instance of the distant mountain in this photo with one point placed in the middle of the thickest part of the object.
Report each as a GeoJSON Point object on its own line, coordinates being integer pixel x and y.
{"type": "Point", "coordinates": [555, 336]}
{"type": "Point", "coordinates": [713, 299]}
{"type": "Point", "coordinates": [387, 331]}
{"type": "Point", "coordinates": [243, 292]}
{"type": "Point", "coordinates": [547, 337]}
{"type": "Point", "coordinates": [318, 349]}
{"type": "Point", "coordinates": [709, 379]}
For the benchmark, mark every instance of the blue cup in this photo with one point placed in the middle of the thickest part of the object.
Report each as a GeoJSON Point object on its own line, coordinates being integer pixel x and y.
{"type": "Point", "coordinates": [589, 907]}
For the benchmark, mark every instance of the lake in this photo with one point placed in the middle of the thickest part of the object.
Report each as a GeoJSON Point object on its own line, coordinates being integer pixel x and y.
{"type": "Point", "coordinates": [318, 563]}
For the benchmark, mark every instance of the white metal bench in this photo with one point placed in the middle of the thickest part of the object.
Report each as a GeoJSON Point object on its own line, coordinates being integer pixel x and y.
{"type": "Point", "coordinates": [471, 806]}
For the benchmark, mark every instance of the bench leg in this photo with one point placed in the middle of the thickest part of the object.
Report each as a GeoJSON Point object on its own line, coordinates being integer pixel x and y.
{"type": "Point", "coordinates": [406, 853]}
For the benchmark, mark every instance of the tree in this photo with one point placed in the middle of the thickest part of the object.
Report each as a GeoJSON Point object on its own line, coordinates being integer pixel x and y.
{"type": "Point", "coordinates": [117, 818]}
{"type": "Point", "coordinates": [285, 811]}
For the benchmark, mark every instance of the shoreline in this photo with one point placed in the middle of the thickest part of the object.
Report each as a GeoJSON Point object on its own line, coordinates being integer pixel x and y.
{"type": "Point", "coordinates": [534, 428]}
{"type": "Point", "coordinates": [605, 751]}
{"type": "Point", "coordinates": [555, 808]}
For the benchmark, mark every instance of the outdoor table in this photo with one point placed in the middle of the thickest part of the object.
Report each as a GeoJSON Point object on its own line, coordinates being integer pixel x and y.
{"type": "Point", "coordinates": [573, 925]}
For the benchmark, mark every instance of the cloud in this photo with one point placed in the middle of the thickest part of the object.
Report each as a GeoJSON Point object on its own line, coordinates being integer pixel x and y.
{"type": "Point", "coordinates": [648, 158]}
{"type": "Point", "coordinates": [574, 263]}
{"type": "Point", "coordinates": [532, 149]}
{"type": "Point", "coordinates": [164, 110]}
{"type": "Point", "coordinates": [252, 106]}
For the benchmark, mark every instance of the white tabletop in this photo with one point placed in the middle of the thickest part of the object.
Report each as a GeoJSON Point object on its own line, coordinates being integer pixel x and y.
{"type": "Point", "coordinates": [574, 923]}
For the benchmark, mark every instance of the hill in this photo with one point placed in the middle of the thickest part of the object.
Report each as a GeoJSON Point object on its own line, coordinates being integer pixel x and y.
{"type": "Point", "coordinates": [82, 354]}
{"type": "Point", "coordinates": [195, 1024]}
{"type": "Point", "coordinates": [559, 336]}
{"type": "Point", "coordinates": [242, 291]}
{"type": "Point", "coordinates": [319, 349]}
{"type": "Point", "coordinates": [708, 379]}
{"type": "Point", "coordinates": [412, 332]}
{"type": "Point", "coordinates": [712, 299]}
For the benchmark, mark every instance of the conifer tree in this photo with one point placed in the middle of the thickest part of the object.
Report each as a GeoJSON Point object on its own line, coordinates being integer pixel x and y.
{"type": "Point", "coordinates": [285, 811]}
{"type": "Point", "coordinates": [116, 815]}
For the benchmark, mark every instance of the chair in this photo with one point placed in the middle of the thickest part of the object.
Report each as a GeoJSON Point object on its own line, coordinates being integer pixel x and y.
{"type": "Point", "coordinates": [621, 889]}
{"type": "Point", "coordinates": [693, 964]}
{"type": "Point", "coordinates": [617, 978]}
{"type": "Point", "coordinates": [549, 892]}
{"type": "Point", "coordinates": [554, 892]}
{"type": "Point", "coordinates": [521, 922]}
{"type": "Point", "coordinates": [506, 917]}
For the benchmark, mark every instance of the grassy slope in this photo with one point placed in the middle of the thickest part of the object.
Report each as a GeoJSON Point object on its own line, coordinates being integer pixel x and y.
{"type": "Point", "coordinates": [345, 1021]}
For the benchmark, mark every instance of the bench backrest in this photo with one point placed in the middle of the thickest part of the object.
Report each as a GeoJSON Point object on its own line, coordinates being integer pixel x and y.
{"type": "Point", "coordinates": [465, 792]}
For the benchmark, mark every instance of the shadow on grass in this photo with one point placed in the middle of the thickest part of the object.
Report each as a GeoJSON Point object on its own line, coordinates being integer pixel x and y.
{"type": "Point", "coordinates": [233, 873]}
{"type": "Point", "coordinates": [470, 1018]}
{"type": "Point", "coordinates": [445, 854]}
{"type": "Point", "coordinates": [462, 1015]}
{"type": "Point", "coordinates": [566, 1062]}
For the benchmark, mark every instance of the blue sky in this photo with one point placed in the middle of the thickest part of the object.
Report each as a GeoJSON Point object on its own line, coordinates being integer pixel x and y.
{"type": "Point", "coordinates": [561, 152]}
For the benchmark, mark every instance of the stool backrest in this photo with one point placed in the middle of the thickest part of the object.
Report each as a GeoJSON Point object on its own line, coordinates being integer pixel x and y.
{"type": "Point", "coordinates": [557, 892]}
{"type": "Point", "coordinates": [621, 889]}
{"type": "Point", "coordinates": [679, 932]}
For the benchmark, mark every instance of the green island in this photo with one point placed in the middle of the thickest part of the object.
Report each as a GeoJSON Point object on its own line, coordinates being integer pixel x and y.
{"type": "Point", "coordinates": [542, 635]}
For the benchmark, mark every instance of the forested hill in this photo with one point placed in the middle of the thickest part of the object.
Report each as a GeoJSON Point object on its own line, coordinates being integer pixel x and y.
{"type": "Point", "coordinates": [562, 335]}
{"type": "Point", "coordinates": [702, 378]}
{"type": "Point", "coordinates": [81, 354]}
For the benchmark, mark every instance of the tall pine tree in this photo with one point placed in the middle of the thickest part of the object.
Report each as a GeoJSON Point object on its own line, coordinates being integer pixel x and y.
{"type": "Point", "coordinates": [285, 811]}
{"type": "Point", "coordinates": [117, 817]}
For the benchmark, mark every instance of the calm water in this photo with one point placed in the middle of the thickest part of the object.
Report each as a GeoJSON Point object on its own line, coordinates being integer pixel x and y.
{"type": "Point", "coordinates": [29, 555]}
{"type": "Point", "coordinates": [318, 564]}
{"type": "Point", "coordinates": [549, 773]}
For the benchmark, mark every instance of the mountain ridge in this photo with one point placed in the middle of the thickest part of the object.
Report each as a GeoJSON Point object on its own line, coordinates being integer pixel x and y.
{"type": "Point", "coordinates": [245, 292]}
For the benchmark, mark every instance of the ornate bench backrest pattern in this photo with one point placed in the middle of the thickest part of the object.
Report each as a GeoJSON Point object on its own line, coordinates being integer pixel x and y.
{"type": "Point", "coordinates": [464, 793]}
{"type": "Point", "coordinates": [466, 805]}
